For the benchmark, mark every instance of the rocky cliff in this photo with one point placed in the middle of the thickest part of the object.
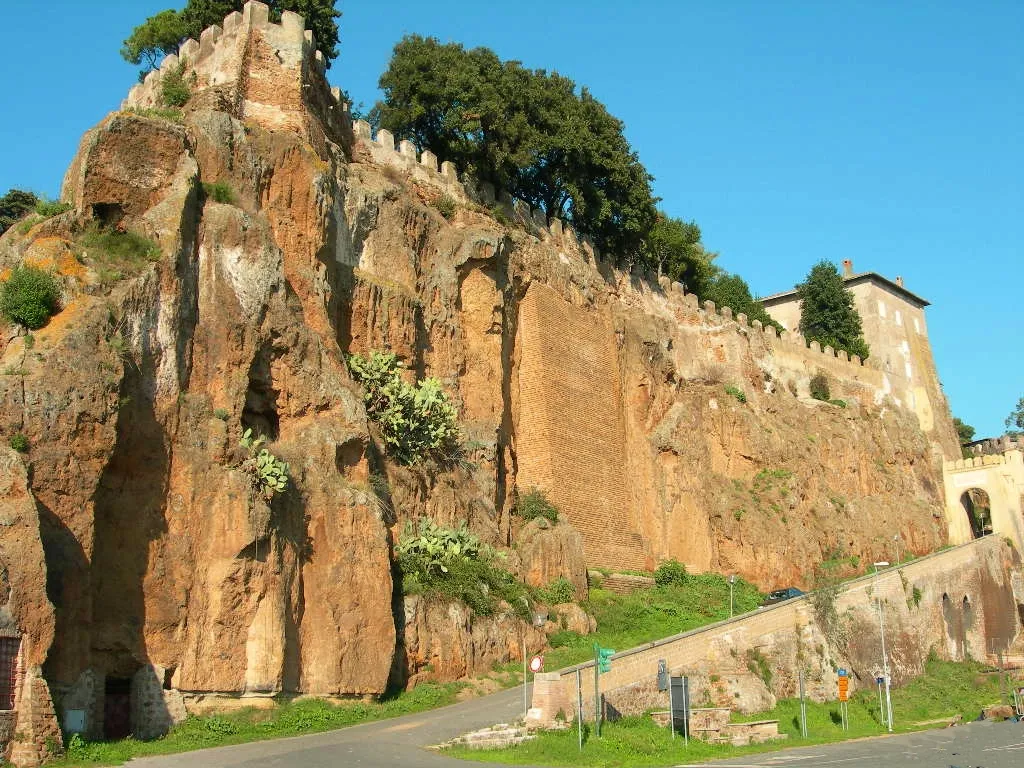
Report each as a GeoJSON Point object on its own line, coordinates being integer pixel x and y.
{"type": "Point", "coordinates": [609, 390]}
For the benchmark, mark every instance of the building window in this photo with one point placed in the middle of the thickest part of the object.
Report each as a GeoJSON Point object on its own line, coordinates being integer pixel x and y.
{"type": "Point", "coordinates": [8, 670]}
{"type": "Point", "coordinates": [899, 317]}
{"type": "Point", "coordinates": [917, 326]}
{"type": "Point", "coordinates": [881, 309]}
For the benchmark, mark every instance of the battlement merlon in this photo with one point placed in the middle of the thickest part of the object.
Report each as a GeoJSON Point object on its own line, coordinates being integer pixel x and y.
{"type": "Point", "coordinates": [271, 74]}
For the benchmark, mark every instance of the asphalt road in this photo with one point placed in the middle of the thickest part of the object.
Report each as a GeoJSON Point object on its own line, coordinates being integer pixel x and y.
{"type": "Point", "coordinates": [400, 742]}
{"type": "Point", "coordinates": [972, 745]}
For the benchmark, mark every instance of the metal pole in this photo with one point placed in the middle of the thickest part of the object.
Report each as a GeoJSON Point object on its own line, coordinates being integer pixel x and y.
{"type": "Point", "coordinates": [885, 668]}
{"type": "Point", "coordinates": [896, 539]}
{"type": "Point", "coordinates": [887, 707]}
{"type": "Point", "coordinates": [803, 707]}
{"type": "Point", "coordinates": [671, 708]}
{"type": "Point", "coordinates": [732, 581]}
{"type": "Point", "coordinates": [526, 701]}
{"type": "Point", "coordinates": [597, 695]}
{"type": "Point", "coordinates": [686, 710]}
{"type": "Point", "coordinates": [579, 706]}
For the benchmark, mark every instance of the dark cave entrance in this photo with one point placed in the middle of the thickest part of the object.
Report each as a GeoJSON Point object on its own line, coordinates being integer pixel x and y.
{"type": "Point", "coordinates": [117, 708]}
{"type": "Point", "coordinates": [260, 411]}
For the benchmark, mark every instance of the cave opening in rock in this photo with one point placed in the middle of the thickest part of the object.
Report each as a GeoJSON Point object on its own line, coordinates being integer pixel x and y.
{"type": "Point", "coordinates": [109, 215]}
{"type": "Point", "coordinates": [117, 707]}
{"type": "Point", "coordinates": [260, 411]}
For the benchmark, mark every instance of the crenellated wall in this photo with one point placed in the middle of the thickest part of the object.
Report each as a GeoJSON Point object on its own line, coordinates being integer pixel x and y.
{"type": "Point", "coordinates": [1002, 478]}
{"type": "Point", "coordinates": [271, 74]}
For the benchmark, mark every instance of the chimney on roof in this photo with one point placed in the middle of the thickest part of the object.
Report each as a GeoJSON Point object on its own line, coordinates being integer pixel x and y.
{"type": "Point", "coordinates": [847, 268]}
{"type": "Point", "coordinates": [899, 281]}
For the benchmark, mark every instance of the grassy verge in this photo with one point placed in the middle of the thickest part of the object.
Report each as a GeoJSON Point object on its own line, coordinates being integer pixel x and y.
{"type": "Point", "coordinates": [945, 690]}
{"type": "Point", "coordinates": [290, 719]}
{"type": "Point", "coordinates": [625, 621]}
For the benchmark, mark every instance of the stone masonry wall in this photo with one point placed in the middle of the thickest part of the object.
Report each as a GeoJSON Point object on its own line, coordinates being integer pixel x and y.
{"type": "Point", "coordinates": [967, 607]}
{"type": "Point", "coordinates": [570, 434]}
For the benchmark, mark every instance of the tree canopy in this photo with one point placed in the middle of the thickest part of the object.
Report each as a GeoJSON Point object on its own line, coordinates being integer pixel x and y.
{"type": "Point", "coordinates": [827, 312]}
{"type": "Point", "coordinates": [729, 290]}
{"type": "Point", "coordinates": [964, 432]}
{"type": "Point", "coordinates": [529, 132]}
{"type": "Point", "coordinates": [674, 248]}
{"type": "Point", "coordinates": [13, 205]}
{"type": "Point", "coordinates": [164, 32]}
{"type": "Point", "coordinates": [1015, 421]}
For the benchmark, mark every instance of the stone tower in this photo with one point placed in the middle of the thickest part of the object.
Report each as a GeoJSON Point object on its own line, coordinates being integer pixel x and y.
{"type": "Point", "coordinates": [895, 330]}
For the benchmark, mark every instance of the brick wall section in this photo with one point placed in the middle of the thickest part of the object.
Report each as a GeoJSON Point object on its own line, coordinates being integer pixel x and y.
{"type": "Point", "coordinates": [966, 608]}
{"type": "Point", "coordinates": [570, 439]}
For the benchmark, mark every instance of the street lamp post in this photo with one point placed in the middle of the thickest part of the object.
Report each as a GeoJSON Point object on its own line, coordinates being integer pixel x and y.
{"type": "Point", "coordinates": [885, 657]}
{"type": "Point", "coordinates": [732, 581]}
{"type": "Point", "coordinates": [896, 540]}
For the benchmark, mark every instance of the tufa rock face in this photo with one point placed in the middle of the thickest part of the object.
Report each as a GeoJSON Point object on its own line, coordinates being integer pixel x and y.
{"type": "Point", "coordinates": [604, 390]}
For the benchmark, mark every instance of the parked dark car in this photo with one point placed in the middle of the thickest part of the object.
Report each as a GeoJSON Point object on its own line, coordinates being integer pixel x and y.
{"type": "Point", "coordinates": [781, 594]}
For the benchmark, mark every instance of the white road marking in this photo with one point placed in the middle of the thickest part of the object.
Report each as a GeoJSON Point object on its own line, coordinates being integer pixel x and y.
{"type": "Point", "coordinates": [1001, 749]}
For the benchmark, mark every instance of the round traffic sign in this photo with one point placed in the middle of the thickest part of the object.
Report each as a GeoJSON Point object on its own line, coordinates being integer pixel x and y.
{"type": "Point", "coordinates": [536, 664]}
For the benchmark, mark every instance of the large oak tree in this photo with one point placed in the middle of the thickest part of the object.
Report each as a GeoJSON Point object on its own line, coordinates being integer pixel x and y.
{"type": "Point", "coordinates": [529, 132]}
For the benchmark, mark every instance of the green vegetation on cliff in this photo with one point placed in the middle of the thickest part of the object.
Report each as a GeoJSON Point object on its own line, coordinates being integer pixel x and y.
{"type": "Point", "coordinates": [29, 296]}
{"type": "Point", "coordinates": [416, 421]}
{"type": "Point", "coordinates": [453, 565]}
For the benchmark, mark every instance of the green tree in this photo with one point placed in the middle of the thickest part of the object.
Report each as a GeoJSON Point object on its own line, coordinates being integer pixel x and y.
{"type": "Point", "coordinates": [965, 432]}
{"type": "Point", "coordinates": [729, 290]}
{"type": "Point", "coordinates": [827, 313]}
{"type": "Point", "coordinates": [158, 36]}
{"type": "Point", "coordinates": [13, 205]}
{"type": "Point", "coordinates": [1015, 421]}
{"type": "Point", "coordinates": [674, 248]}
{"type": "Point", "coordinates": [529, 132]}
{"type": "Point", "coordinates": [163, 33]}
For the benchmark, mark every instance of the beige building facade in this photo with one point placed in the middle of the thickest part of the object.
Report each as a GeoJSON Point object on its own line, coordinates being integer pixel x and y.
{"type": "Point", "coordinates": [896, 331]}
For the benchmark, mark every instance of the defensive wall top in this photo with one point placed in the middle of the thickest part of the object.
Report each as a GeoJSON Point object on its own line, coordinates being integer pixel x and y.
{"type": "Point", "coordinates": [275, 75]}
{"type": "Point", "coordinates": [425, 167]}
{"type": "Point", "coordinates": [274, 72]}
{"type": "Point", "coordinates": [1012, 455]}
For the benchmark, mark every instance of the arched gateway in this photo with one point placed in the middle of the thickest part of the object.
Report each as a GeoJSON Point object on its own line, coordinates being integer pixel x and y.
{"type": "Point", "coordinates": [986, 495]}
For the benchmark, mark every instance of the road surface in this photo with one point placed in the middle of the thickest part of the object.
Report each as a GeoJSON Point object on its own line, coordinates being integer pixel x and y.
{"type": "Point", "coordinates": [400, 742]}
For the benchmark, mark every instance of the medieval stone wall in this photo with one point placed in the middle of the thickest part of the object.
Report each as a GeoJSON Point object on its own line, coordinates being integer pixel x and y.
{"type": "Point", "coordinates": [967, 607]}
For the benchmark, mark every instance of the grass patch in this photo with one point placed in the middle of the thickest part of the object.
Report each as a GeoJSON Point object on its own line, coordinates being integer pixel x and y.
{"type": "Point", "coordinates": [289, 719]}
{"type": "Point", "coordinates": [446, 206]}
{"type": "Point", "coordinates": [945, 690]}
{"type": "Point", "coordinates": [219, 192]}
{"type": "Point", "coordinates": [114, 254]}
{"type": "Point", "coordinates": [736, 392]}
{"type": "Point", "coordinates": [169, 114]}
{"type": "Point", "coordinates": [533, 504]}
{"type": "Point", "coordinates": [625, 621]}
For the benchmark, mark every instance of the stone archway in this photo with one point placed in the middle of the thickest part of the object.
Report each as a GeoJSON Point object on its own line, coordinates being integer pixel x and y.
{"type": "Point", "coordinates": [1001, 480]}
{"type": "Point", "coordinates": [977, 505]}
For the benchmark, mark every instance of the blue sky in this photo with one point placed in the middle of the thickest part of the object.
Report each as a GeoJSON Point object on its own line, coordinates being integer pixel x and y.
{"type": "Point", "coordinates": [889, 133]}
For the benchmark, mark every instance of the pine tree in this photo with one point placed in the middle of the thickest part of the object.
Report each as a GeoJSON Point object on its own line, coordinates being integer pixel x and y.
{"type": "Point", "coordinates": [827, 313]}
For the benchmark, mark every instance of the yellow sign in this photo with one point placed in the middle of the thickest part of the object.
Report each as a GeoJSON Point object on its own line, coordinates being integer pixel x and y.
{"type": "Point", "coordinates": [844, 688]}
